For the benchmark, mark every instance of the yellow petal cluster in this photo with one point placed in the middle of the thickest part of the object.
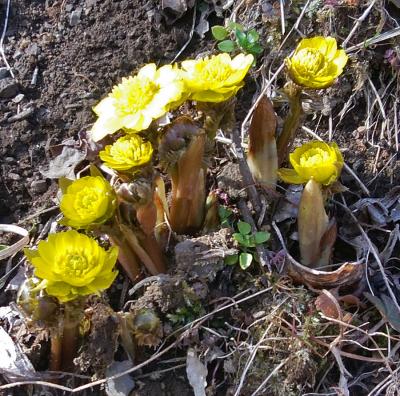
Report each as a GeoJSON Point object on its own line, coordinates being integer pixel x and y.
{"type": "Point", "coordinates": [72, 265]}
{"type": "Point", "coordinates": [217, 78]}
{"type": "Point", "coordinates": [316, 160]}
{"type": "Point", "coordinates": [138, 100]}
{"type": "Point", "coordinates": [87, 201]}
{"type": "Point", "coordinates": [316, 62]}
{"type": "Point", "coordinates": [126, 153]}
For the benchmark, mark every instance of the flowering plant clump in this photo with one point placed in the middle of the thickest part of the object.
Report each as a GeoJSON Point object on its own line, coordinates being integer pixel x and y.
{"type": "Point", "coordinates": [72, 265]}
{"type": "Point", "coordinates": [87, 201]}
{"type": "Point", "coordinates": [316, 160]}
{"type": "Point", "coordinates": [138, 100]}
{"type": "Point", "coordinates": [316, 62]}
{"type": "Point", "coordinates": [127, 152]}
{"type": "Point", "coordinates": [215, 79]}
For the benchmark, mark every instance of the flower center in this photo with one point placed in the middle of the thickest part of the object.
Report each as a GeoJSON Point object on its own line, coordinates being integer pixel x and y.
{"type": "Point", "coordinates": [75, 265]}
{"type": "Point", "coordinates": [134, 95]}
{"type": "Point", "coordinates": [215, 71]}
{"type": "Point", "coordinates": [87, 202]}
{"type": "Point", "coordinates": [309, 61]}
{"type": "Point", "coordinates": [314, 157]}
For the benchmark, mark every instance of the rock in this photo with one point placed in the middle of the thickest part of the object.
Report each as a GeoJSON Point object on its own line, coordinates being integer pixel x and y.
{"type": "Point", "coordinates": [14, 176]}
{"type": "Point", "coordinates": [8, 88]}
{"type": "Point", "coordinates": [39, 186]}
{"type": "Point", "coordinates": [4, 72]}
{"type": "Point", "coordinates": [75, 17]}
{"type": "Point", "coordinates": [18, 98]}
{"type": "Point", "coordinates": [90, 3]}
{"type": "Point", "coordinates": [33, 49]}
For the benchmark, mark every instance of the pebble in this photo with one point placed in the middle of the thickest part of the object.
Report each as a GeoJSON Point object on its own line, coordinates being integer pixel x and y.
{"type": "Point", "coordinates": [75, 17]}
{"type": "Point", "coordinates": [39, 186]}
{"type": "Point", "coordinates": [33, 49]}
{"type": "Point", "coordinates": [14, 176]}
{"type": "Point", "coordinates": [19, 98]}
{"type": "Point", "coordinates": [4, 72]}
{"type": "Point", "coordinates": [8, 88]}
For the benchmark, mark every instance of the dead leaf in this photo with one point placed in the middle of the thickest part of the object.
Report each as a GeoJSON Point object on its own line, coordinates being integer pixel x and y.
{"type": "Point", "coordinates": [119, 386]}
{"type": "Point", "coordinates": [64, 164]}
{"type": "Point", "coordinates": [327, 306]}
{"type": "Point", "coordinates": [387, 309]}
{"type": "Point", "coordinates": [196, 373]}
{"type": "Point", "coordinates": [346, 275]}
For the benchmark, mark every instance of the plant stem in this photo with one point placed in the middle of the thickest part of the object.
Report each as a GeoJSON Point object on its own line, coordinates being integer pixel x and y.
{"type": "Point", "coordinates": [292, 122]}
{"type": "Point", "coordinates": [55, 351]}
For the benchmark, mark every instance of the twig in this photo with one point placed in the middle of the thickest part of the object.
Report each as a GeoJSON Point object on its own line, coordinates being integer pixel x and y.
{"type": "Point", "coordinates": [190, 35]}
{"type": "Point", "coordinates": [271, 374]}
{"type": "Point", "coordinates": [358, 23]}
{"type": "Point", "coordinates": [3, 35]}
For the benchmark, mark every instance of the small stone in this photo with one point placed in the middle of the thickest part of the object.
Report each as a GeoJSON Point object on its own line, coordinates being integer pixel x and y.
{"type": "Point", "coordinates": [75, 17]}
{"type": "Point", "coordinates": [39, 186]}
{"type": "Point", "coordinates": [18, 98]}
{"type": "Point", "coordinates": [68, 7]}
{"type": "Point", "coordinates": [10, 160]}
{"type": "Point", "coordinates": [14, 176]}
{"type": "Point", "coordinates": [33, 49]}
{"type": "Point", "coordinates": [8, 88]}
{"type": "Point", "coordinates": [90, 3]}
{"type": "Point", "coordinates": [4, 72]}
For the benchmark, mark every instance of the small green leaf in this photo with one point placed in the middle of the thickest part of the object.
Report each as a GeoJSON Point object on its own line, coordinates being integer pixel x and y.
{"type": "Point", "coordinates": [245, 260]}
{"type": "Point", "coordinates": [2, 247]}
{"type": "Point", "coordinates": [252, 36]}
{"type": "Point", "coordinates": [255, 49]}
{"type": "Point", "coordinates": [219, 32]}
{"type": "Point", "coordinates": [235, 26]}
{"type": "Point", "coordinates": [231, 260]}
{"type": "Point", "coordinates": [226, 46]}
{"type": "Point", "coordinates": [224, 212]}
{"type": "Point", "coordinates": [241, 38]}
{"type": "Point", "coordinates": [239, 238]}
{"type": "Point", "coordinates": [243, 227]}
{"type": "Point", "coordinates": [261, 237]}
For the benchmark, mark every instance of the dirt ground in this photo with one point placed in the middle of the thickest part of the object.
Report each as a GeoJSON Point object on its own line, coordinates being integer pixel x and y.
{"type": "Point", "coordinates": [67, 55]}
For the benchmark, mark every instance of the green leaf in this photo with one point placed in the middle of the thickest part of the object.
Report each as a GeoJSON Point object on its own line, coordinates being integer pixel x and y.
{"type": "Point", "coordinates": [245, 260]}
{"type": "Point", "coordinates": [235, 26]}
{"type": "Point", "coordinates": [243, 227]}
{"type": "Point", "coordinates": [255, 49]}
{"type": "Point", "coordinates": [224, 212]}
{"type": "Point", "coordinates": [261, 237]}
{"type": "Point", "coordinates": [239, 238]}
{"type": "Point", "coordinates": [252, 36]}
{"type": "Point", "coordinates": [231, 260]}
{"type": "Point", "coordinates": [226, 46]}
{"type": "Point", "coordinates": [241, 38]}
{"type": "Point", "coordinates": [3, 247]}
{"type": "Point", "coordinates": [219, 32]}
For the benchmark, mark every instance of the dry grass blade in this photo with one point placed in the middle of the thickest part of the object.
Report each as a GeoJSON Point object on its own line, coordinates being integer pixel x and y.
{"type": "Point", "coordinates": [17, 246]}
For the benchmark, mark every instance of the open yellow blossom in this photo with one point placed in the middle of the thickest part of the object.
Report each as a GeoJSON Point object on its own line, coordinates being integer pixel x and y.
{"type": "Point", "coordinates": [87, 201]}
{"type": "Point", "coordinates": [217, 78]}
{"type": "Point", "coordinates": [72, 265]}
{"type": "Point", "coordinates": [316, 160]}
{"type": "Point", "coordinates": [126, 153]}
{"type": "Point", "coordinates": [316, 62]}
{"type": "Point", "coordinates": [138, 100]}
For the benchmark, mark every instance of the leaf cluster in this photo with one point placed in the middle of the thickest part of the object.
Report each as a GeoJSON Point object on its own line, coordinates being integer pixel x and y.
{"type": "Point", "coordinates": [235, 37]}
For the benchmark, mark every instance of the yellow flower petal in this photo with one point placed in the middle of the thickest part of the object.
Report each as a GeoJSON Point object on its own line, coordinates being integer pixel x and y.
{"type": "Point", "coordinates": [215, 79]}
{"type": "Point", "coordinates": [316, 62]}
{"type": "Point", "coordinates": [316, 160]}
{"type": "Point", "coordinates": [73, 265]}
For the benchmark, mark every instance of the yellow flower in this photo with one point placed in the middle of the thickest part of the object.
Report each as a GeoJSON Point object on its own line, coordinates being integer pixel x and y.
{"type": "Point", "coordinates": [87, 201]}
{"type": "Point", "coordinates": [215, 79]}
{"type": "Point", "coordinates": [72, 265]}
{"type": "Point", "coordinates": [316, 160]}
{"type": "Point", "coordinates": [138, 100]}
{"type": "Point", "coordinates": [127, 152]}
{"type": "Point", "coordinates": [316, 62]}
